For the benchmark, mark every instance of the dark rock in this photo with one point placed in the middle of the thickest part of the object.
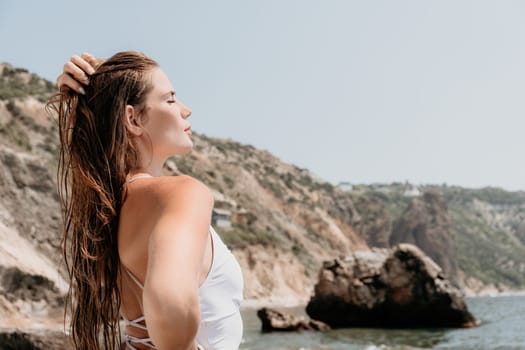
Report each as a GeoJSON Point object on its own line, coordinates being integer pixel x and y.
{"type": "Point", "coordinates": [273, 320]}
{"type": "Point", "coordinates": [401, 287]}
{"type": "Point", "coordinates": [316, 325]}
{"type": "Point", "coordinates": [30, 339]}
{"type": "Point", "coordinates": [17, 284]}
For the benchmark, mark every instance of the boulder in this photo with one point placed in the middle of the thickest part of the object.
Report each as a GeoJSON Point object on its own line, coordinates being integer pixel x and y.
{"type": "Point", "coordinates": [34, 339]}
{"type": "Point", "coordinates": [399, 287]}
{"type": "Point", "coordinates": [273, 320]}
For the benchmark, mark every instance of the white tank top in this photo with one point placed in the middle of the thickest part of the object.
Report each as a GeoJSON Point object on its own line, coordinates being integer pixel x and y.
{"type": "Point", "coordinates": [220, 297]}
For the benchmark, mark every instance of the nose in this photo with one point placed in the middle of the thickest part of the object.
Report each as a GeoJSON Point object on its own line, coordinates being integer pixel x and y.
{"type": "Point", "coordinates": [186, 111]}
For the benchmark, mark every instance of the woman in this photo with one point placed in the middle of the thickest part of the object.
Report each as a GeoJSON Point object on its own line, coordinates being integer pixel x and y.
{"type": "Point", "coordinates": [138, 244]}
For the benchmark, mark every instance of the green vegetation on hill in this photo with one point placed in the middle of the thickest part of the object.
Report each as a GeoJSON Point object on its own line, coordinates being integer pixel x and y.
{"type": "Point", "coordinates": [240, 236]}
{"type": "Point", "coordinates": [489, 229]}
{"type": "Point", "coordinates": [19, 83]}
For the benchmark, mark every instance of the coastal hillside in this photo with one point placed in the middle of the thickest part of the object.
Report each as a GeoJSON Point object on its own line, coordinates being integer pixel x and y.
{"type": "Point", "coordinates": [487, 227]}
{"type": "Point", "coordinates": [280, 220]}
{"type": "Point", "coordinates": [30, 220]}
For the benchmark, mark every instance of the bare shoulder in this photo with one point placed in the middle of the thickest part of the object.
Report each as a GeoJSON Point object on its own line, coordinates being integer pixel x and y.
{"type": "Point", "coordinates": [167, 191]}
{"type": "Point", "coordinates": [163, 209]}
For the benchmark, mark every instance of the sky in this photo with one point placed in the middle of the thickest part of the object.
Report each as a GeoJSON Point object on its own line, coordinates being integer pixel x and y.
{"type": "Point", "coordinates": [428, 92]}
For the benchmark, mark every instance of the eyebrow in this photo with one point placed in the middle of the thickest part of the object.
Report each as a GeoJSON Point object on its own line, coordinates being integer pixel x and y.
{"type": "Point", "coordinates": [169, 94]}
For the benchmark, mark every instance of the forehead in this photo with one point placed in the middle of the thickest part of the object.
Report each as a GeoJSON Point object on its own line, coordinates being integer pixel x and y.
{"type": "Point", "coordinates": [160, 81]}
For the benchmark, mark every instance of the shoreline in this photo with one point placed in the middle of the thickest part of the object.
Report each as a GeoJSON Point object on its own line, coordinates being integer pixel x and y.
{"type": "Point", "coordinates": [273, 302]}
{"type": "Point", "coordinates": [494, 294]}
{"type": "Point", "coordinates": [290, 302]}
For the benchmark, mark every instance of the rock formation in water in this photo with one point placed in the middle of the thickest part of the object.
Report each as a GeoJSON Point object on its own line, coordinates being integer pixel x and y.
{"type": "Point", "coordinates": [401, 287]}
{"type": "Point", "coordinates": [33, 339]}
{"type": "Point", "coordinates": [275, 321]}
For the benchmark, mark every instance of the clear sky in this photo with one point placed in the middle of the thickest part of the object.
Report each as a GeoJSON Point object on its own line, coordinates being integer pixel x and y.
{"type": "Point", "coordinates": [359, 91]}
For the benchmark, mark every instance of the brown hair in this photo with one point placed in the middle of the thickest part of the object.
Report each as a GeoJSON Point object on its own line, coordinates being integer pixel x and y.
{"type": "Point", "coordinates": [96, 154]}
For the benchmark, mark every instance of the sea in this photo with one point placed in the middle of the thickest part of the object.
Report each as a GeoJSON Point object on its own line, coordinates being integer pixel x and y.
{"type": "Point", "coordinates": [502, 327]}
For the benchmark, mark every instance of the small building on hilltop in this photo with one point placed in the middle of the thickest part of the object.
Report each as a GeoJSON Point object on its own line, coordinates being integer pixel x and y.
{"type": "Point", "coordinates": [221, 218]}
{"type": "Point", "coordinates": [345, 186]}
{"type": "Point", "coordinates": [412, 192]}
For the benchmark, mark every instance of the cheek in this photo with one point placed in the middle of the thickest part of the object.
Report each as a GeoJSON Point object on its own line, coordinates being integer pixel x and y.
{"type": "Point", "coordinates": [162, 122]}
{"type": "Point", "coordinates": [167, 128]}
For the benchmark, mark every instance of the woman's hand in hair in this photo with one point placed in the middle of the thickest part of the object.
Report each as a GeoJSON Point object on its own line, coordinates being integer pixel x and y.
{"type": "Point", "coordinates": [76, 72]}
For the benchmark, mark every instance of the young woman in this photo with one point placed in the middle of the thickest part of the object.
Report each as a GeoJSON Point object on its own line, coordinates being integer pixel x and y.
{"type": "Point", "coordinates": [138, 245]}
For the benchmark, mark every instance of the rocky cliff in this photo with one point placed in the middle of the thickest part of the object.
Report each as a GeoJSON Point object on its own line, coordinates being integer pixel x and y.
{"type": "Point", "coordinates": [32, 287]}
{"type": "Point", "coordinates": [483, 227]}
{"type": "Point", "coordinates": [426, 223]}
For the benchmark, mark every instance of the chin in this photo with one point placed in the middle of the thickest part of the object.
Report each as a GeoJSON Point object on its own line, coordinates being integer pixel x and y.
{"type": "Point", "coordinates": [185, 150]}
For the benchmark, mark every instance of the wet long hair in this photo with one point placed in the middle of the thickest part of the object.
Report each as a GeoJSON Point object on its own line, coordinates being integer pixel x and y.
{"type": "Point", "coordinates": [96, 154]}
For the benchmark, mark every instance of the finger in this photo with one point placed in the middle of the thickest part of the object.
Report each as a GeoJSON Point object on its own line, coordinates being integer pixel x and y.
{"type": "Point", "coordinates": [93, 62]}
{"type": "Point", "coordinates": [67, 81]}
{"type": "Point", "coordinates": [82, 64]}
{"type": "Point", "coordinates": [74, 71]}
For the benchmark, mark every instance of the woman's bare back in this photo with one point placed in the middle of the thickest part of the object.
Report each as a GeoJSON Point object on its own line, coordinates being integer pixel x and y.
{"type": "Point", "coordinates": [138, 216]}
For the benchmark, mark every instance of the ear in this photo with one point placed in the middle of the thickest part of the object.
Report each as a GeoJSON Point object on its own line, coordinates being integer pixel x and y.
{"type": "Point", "coordinates": [131, 121]}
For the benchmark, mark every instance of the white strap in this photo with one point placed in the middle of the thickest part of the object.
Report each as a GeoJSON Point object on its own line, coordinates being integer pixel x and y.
{"type": "Point", "coordinates": [143, 341]}
{"type": "Point", "coordinates": [135, 279]}
{"type": "Point", "coordinates": [133, 178]}
{"type": "Point", "coordinates": [136, 323]}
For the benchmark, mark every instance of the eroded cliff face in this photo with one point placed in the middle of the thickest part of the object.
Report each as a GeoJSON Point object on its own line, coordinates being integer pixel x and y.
{"type": "Point", "coordinates": [32, 286]}
{"type": "Point", "coordinates": [489, 229]}
{"type": "Point", "coordinates": [426, 223]}
{"type": "Point", "coordinates": [484, 226]}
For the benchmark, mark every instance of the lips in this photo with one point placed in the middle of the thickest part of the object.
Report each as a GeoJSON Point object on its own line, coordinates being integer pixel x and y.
{"type": "Point", "coordinates": [188, 130]}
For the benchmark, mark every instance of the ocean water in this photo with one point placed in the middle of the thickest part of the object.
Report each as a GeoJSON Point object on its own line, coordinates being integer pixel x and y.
{"type": "Point", "coordinates": [502, 328]}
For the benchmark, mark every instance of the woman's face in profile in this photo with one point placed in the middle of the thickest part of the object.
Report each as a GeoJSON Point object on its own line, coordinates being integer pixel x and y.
{"type": "Point", "coordinates": [165, 118]}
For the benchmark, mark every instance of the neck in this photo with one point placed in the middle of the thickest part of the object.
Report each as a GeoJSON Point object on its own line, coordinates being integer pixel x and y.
{"type": "Point", "coordinates": [149, 162]}
{"type": "Point", "coordinates": [153, 168]}
{"type": "Point", "coordinates": [137, 176]}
